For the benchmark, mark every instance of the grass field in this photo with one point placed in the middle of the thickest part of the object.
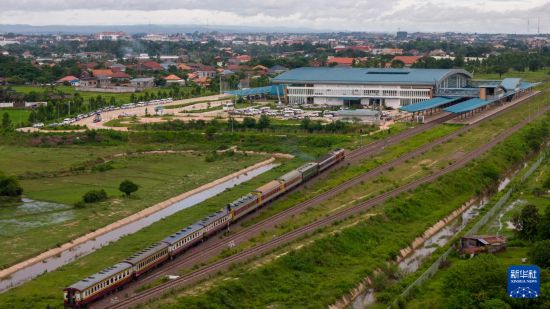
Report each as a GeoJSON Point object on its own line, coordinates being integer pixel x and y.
{"type": "Point", "coordinates": [47, 289]}
{"type": "Point", "coordinates": [50, 284]}
{"type": "Point", "coordinates": [159, 177]}
{"type": "Point", "coordinates": [538, 76]}
{"type": "Point", "coordinates": [317, 274]}
{"type": "Point", "coordinates": [17, 116]}
{"type": "Point", "coordinates": [121, 98]}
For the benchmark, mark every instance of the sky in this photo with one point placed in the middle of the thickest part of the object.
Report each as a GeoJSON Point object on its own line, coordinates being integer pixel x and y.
{"type": "Point", "coordinates": [487, 16]}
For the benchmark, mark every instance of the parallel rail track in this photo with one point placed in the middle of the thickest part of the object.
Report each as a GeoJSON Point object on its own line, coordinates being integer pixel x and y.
{"type": "Point", "coordinates": [277, 242]}
{"type": "Point", "coordinates": [215, 245]}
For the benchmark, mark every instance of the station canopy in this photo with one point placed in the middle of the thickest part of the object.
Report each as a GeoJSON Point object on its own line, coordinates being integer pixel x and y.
{"type": "Point", "coordinates": [267, 90]}
{"type": "Point", "coordinates": [468, 105]}
{"type": "Point", "coordinates": [425, 105]}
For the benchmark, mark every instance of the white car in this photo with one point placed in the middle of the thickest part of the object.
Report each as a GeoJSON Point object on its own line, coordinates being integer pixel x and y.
{"type": "Point", "coordinates": [38, 125]}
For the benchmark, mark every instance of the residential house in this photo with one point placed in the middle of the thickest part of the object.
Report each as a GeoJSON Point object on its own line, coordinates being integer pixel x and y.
{"type": "Point", "coordinates": [143, 83]}
{"type": "Point", "coordinates": [120, 77]}
{"type": "Point", "coordinates": [277, 69]}
{"type": "Point", "coordinates": [117, 67]}
{"type": "Point", "coordinates": [184, 67]}
{"type": "Point", "coordinates": [102, 72]}
{"type": "Point", "coordinates": [206, 72]}
{"type": "Point", "coordinates": [408, 61]}
{"type": "Point", "coordinates": [340, 61]}
{"type": "Point", "coordinates": [174, 79]}
{"type": "Point", "coordinates": [167, 64]}
{"type": "Point", "coordinates": [72, 80]}
{"type": "Point", "coordinates": [151, 66]}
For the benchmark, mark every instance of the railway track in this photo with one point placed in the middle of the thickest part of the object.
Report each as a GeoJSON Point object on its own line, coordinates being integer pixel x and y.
{"type": "Point", "coordinates": [304, 230]}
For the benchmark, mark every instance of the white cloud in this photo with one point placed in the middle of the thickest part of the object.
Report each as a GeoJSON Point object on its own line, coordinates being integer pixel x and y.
{"type": "Point", "coordinates": [365, 15]}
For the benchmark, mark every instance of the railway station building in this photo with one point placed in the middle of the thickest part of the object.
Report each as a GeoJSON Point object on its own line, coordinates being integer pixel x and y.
{"type": "Point", "coordinates": [417, 91]}
{"type": "Point", "coordinates": [388, 87]}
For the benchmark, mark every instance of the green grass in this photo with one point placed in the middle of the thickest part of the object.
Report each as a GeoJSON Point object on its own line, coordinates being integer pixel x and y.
{"type": "Point", "coordinates": [121, 98]}
{"type": "Point", "coordinates": [17, 116]}
{"type": "Point", "coordinates": [542, 75]}
{"type": "Point", "coordinates": [318, 274]}
{"type": "Point", "coordinates": [159, 177]}
{"type": "Point", "coordinates": [47, 289]}
{"type": "Point", "coordinates": [19, 160]}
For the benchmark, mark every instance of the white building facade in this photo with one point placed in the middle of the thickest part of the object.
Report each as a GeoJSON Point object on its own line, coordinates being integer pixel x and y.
{"type": "Point", "coordinates": [389, 87]}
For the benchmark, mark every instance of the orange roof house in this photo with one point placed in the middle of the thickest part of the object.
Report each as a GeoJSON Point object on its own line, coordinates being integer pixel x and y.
{"type": "Point", "coordinates": [407, 60]}
{"type": "Point", "coordinates": [68, 78]}
{"type": "Point", "coordinates": [184, 67]}
{"type": "Point", "coordinates": [172, 77]}
{"type": "Point", "coordinates": [340, 61]}
{"type": "Point", "coordinates": [102, 72]}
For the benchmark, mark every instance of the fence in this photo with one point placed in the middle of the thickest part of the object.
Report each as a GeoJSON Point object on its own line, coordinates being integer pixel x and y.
{"type": "Point", "coordinates": [477, 226]}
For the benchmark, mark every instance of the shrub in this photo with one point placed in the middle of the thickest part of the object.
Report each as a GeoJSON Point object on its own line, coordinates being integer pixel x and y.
{"type": "Point", "coordinates": [9, 186]}
{"type": "Point", "coordinates": [94, 196]}
{"type": "Point", "coordinates": [540, 253]}
{"type": "Point", "coordinates": [128, 187]}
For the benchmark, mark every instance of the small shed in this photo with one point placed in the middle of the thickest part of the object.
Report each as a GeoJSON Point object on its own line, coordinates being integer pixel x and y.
{"type": "Point", "coordinates": [475, 244]}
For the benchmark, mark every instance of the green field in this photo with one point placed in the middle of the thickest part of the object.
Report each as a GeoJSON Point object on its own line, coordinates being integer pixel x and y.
{"type": "Point", "coordinates": [538, 76]}
{"type": "Point", "coordinates": [160, 176]}
{"type": "Point", "coordinates": [321, 272]}
{"type": "Point", "coordinates": [17, 116]}
{"type": "Point", "coordinates": [47, 289]}
{"type": "Point", "coordinates": [49, 284]}
{"type": "Point", "coordinates": [435, 292]}
{"type": "Point", "coordinates": [121, 98]}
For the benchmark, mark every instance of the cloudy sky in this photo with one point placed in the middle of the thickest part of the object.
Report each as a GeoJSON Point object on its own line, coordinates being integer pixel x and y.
{"type": "Point", "coordinates": [364, 15]}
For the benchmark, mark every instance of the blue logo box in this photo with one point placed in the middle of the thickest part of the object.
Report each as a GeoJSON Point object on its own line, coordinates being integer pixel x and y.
{"type": "Point", "coordinates": [524, 281]}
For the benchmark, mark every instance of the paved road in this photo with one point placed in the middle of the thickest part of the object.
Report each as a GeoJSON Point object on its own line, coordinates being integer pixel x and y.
{"type": "Point", "coordinates": [140, 111]}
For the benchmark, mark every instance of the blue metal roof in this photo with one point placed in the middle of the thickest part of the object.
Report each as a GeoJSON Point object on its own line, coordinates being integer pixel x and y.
{"type": "Point", "coordinates": [367, 76]}
{"type": "Point", "coordinates": [467, 106]}
{"type": "Point", "coordinates": [269, 90]}
{"type": "Point", "coordinates": [526, 85]}
{"type": "Point", "coordinates": [424, 105]}
{"type": "Point", "coordinates": [510, 83]}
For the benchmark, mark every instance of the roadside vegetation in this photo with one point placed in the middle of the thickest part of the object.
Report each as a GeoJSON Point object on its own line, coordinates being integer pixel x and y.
{"type": "Point", "coordinates": [480, 282]}
{"type": "Point", "coordinates": [318, 274]}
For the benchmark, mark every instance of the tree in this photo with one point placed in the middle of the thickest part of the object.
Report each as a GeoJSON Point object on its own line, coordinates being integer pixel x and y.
{"type": "Point", "coordinates": [474, 281]}
{"type": "Point", "coordinates": [6, 121]}
{"type": "Point", "coordinates": [544, 225]}
{"type": "Point", "coordinates": [9, 186]}
{"type": "Point", "coordinates": [128, 187]}
{"type": "Point", "coordinates": [94, 196]}
{"type": "Point", "coordinates": [526, 222]}
{"type": "Point", "coordinates": [263, 123]}
{"type": "Point", "coordinates": [500, 69]}
{"type": "Point", "coordinates": [540, 253]}
{"type": "Point", "coordinates": [249, 122]}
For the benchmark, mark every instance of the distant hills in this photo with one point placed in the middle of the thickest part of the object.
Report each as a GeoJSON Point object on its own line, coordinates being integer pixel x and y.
{"type": "Point", "coordinates": [133, 29]}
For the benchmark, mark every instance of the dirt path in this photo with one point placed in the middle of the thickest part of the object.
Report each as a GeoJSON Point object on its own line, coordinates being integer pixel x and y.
{"type": "Point", "coordinates": [5, 273]}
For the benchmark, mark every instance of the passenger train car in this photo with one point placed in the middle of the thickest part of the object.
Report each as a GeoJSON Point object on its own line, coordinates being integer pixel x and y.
{"type": "Point", "coordinates": [115, 277]}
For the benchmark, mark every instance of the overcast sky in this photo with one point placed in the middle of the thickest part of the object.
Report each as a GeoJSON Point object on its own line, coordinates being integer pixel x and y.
{"type": "Point", "coordinates": [501, 16]}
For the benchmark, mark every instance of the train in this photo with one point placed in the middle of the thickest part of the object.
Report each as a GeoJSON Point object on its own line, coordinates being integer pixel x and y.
{"type": "Point", "coordinates": [117, 276]}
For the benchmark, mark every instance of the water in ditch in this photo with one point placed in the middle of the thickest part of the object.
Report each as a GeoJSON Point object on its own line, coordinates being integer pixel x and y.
{"type": "Point", "coordinates": [68, 256]}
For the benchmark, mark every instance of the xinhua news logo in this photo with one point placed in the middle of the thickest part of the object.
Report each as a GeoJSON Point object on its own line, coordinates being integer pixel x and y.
{"type": "Point", "coordinates": [524, 281]}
